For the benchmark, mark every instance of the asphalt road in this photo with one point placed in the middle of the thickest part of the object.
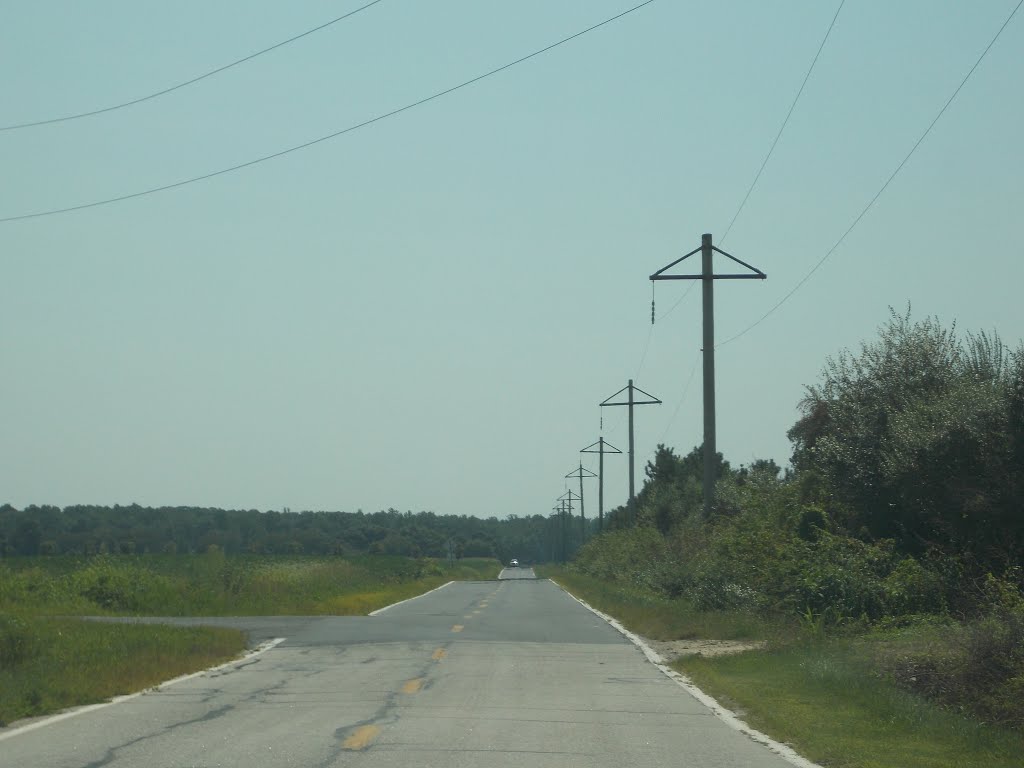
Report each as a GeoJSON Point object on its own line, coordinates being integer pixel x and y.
{"type": "Point", "coordinates": [503, 673]}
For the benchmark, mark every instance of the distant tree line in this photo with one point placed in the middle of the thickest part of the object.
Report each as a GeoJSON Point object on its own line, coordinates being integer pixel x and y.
{"type": "Point", "coordinates": [133, 529]}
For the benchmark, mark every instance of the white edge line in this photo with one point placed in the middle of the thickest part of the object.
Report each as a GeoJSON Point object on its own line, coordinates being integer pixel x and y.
{"type": "Point", "coordinates": [67, 714]}
{"type": "Point", "coordinates": [722, 713]}
{"type": "Point", "coordinates": [415, 597]}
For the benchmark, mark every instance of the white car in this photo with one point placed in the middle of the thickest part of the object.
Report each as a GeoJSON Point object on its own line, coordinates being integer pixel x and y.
{"type": "Point", "coordinates": [513, 563]}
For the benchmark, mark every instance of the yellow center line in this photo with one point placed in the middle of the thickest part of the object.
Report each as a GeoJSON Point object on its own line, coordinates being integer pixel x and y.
{"type": "Point", "coordinates": [361, 737]}
{"type": "Point", "coordinates": [413, 686]}
{"type": "Point", "coordinates": [439, 654]}
{"type": "Point", "coordinates": [458, 628]}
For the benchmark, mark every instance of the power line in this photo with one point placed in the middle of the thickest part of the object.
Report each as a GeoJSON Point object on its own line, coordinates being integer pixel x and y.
{"type": "Point", "coordinates": [679, 301]}
{"type": "Point", "coordinates": [650, 330]}
{"type": "Point", "coordinates": [185, 83]}
{"type": "Point", "coordinates": [784, 122]}
{"type": "Point", "coordinates": [884, 186]}
{"type": "Point", "coordinates": [771, 149]}
{"type": "Point", "coordinates": [682, 399]}
{"type": "Point", "coordinates": [643, 357]}
{"type": "Point", "coordinates": [306, 145]}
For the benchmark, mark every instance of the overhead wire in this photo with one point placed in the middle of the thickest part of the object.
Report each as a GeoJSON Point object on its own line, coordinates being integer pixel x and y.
{"type": "Point", "coordinates": [328, 137]}
{"type": "Point", "coordinates": [650, 330]}
{"type": "Point", "coordinates": [771, 149]}
{"type": "Point", "coordinates": [743, 202]}
{"type": "Point", "coordinates": [882, 189]}
{"type": "Point", "coordinates": [785, 122]}
{"type": "Point", "coordinates": [682, 399]}
{"type": "Point", "coordinates": [184, 83]}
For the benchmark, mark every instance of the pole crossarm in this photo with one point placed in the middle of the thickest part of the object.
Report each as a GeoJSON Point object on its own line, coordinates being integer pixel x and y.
{"type": "Point", "coordinates": [604, 446]}
{"type": "Point", "coordinates": [652, 401]}
{"type": "Point", "coordinates": [754, 274]}
{"type": "Point", "coordinates": [582, 472]}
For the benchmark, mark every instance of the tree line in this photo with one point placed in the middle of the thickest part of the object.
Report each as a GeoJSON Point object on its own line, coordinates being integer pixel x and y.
{"type": "Point", "coordinates": [134, 529]}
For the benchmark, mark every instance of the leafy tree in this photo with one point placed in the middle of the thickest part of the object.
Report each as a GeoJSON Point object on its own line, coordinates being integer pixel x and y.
{"type": "Point", "coordinates": [920, 434]}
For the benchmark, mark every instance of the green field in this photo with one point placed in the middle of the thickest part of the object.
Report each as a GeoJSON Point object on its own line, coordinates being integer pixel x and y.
{"type": "Point", "coordinates": [49, 661]}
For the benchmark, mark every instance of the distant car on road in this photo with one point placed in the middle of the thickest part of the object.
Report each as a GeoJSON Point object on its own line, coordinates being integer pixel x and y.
{"type": "Point", "coordinates": [513, 563]}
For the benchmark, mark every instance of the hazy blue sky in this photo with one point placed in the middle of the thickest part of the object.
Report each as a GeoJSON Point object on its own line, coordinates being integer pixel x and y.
{"type": "Point", "coordinates": [426, 312]}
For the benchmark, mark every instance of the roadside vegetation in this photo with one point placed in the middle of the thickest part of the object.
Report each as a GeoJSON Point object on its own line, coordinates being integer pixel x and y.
{"type": "Point", "coordinates": [49, 664]}
{"type": "Point", "coordinates": [883, 571]}
{"type": "Point", "coordinates": [49, 661]}
{"type": "Point", "coordinates": [215, 584]}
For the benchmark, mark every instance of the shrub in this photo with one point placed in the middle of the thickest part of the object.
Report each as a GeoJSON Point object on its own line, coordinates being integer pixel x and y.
{"type": "Point", "coordinates": [114, 586]}
{"type": "Point", "coordinates": [976, 667]}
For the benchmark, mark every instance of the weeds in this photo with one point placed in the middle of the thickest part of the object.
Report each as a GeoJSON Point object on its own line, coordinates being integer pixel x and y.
{"type": "Point", "coordinates": [658, 617]}
{"type": "Point", "coordinates": [829, 701]}
{"type": "Point", "coordinates": [48, 664]}
{"type": "Point", "coordinates": [214, 584]}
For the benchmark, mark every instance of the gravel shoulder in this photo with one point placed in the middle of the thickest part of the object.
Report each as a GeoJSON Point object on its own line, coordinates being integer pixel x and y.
{"type": "Point", "coordinates": [670, 650]}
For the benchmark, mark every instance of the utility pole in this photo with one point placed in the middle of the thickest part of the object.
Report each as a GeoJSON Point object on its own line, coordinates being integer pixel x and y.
{"type": "Point", "coordinates": [555, 547]}
{"type": "Point", "coordinates": [566, 499]}
{"type": "Point", "coordinates": [601, 445]}
{"type": "Point", "coordinates": [582, 473]}
{"type": "Point", "coordinates": [631, 402]}
{"type": "Point", "coordinates": [707, 276]}
{"type": "Point", "coordinates": [562, 530]}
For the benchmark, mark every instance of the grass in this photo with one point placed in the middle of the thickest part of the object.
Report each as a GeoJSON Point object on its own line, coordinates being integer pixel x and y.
{"type": "Point", "coordinates": [48, 663]}
{"type": "Point", "coordinates": [832, 699]}
{"type": "Point", "coordinates": [658, 617]}
{"type": "Point", "coordinates": [213, 584]}
{"type": "Point", "coordinates": [827, 701]}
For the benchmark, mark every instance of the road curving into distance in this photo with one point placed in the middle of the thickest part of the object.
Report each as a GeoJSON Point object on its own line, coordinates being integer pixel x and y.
{"type": "Point", "coordinates": [513, 673]}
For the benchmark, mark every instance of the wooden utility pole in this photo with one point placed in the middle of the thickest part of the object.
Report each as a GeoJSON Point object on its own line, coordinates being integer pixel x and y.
{"type": "Point", "coordinates": [567, 499]}
{"type": "Point", "coordinates": [632, 461]}
{"type": "Point", "coordinates": [582, 473]}
{"type": "Point", "coordinates": [601, 451]}
{"type": "Point", "coordinates": [708, 277]}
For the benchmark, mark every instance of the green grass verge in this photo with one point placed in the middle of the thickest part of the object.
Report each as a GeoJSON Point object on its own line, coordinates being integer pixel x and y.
{"type": "Point", "coordinates": [654, 616]}
{"type": "Point", "coordinates": [828, 702]}
{"type": "Point", "coordinates": [213, 584]}
{"type": "Point", "coordinates": [49, 664]}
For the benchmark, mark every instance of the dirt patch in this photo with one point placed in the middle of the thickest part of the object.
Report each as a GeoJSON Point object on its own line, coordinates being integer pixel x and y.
{"type": "Point", "coordinates": [670, 650]}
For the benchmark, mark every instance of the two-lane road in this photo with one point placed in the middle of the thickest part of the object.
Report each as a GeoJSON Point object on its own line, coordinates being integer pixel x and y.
{"type": "Point", "coordinates": [506, 673]}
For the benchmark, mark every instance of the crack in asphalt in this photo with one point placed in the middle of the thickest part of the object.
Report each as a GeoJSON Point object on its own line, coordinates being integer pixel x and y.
{"type": "Point", "coordinates": [388, 713]}
{"type": "Point", "coordinates": [111, 754]}
{"type": "Point", "coordinates": [258, 696]}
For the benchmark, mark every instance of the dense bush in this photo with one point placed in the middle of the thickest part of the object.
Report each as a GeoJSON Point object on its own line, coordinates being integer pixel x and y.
{"type": "Point", "coordinates": [976, 666]}
{"type": "Point", "coordinates": [921, 435]}
{"type": "Point", "coordinates": [120, 587]}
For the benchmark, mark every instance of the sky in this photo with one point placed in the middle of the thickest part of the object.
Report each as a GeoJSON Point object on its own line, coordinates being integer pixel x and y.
{"type": "Point", "coordinates": [425, 312]}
